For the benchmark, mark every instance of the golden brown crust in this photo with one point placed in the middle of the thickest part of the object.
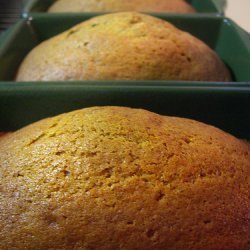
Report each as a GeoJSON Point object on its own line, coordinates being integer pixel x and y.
{"type": "Point", "coordinates": [120, 178]}
{"type": "Point", "coordinates": [123, 46]}
{"type": "Point", "coordinates": [177, 6]}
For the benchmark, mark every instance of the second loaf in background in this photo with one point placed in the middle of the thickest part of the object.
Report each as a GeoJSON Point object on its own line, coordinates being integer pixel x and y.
{"type": "Point", "coordinates": [123, 46]}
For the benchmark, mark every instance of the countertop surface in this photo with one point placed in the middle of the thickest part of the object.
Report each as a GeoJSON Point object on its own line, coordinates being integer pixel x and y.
{"type": "Point", "coordinates": [238, 10]}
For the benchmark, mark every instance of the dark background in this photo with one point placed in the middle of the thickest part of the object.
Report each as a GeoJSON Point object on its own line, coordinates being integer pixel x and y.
{"type": "Point", "coordinates": [10, 12]}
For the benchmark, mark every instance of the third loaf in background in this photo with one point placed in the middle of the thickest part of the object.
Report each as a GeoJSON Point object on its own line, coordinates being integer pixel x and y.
{"type": "Point", "coordinates": [176, 6]}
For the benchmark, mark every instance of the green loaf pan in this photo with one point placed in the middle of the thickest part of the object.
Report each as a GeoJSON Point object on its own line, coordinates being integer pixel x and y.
{"type": "Point", "coordinates": [224, 107]}
{"type": "Point", "coordinates": [36, 7]}
{"type": "Point", "coordinates": [221, 34]}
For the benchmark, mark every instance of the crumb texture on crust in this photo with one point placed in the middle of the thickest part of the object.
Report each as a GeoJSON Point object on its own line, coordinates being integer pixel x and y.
{"type": "Point", "coordinates": [123, 46]}
{"type": "Point", "coordinates": [121, 178]}
{"type": "Point", "coordinates": [175, 6]}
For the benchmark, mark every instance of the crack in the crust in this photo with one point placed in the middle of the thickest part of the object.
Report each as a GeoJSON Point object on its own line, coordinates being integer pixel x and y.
{"type": "Point", "coordinates": [135, 20]}
{"type": "Point", "coordinates": [71, 32]}
{"type": "Point", "coordinates": [94, 25]}
{"type": "Point", "coordinates": [150, 233]}
{"type": "Point", "coordinates": [43, 134]}
{"type": "Point", "coordinates": [36, 139]}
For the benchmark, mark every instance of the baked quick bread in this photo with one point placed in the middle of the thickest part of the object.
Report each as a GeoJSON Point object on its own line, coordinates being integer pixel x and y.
{"type": "Point", "coordinates": [120, 178]}
{"type": "Point", "coordinates": [123, 46]}
{"type": "Point", "coordinates": [121, 5]}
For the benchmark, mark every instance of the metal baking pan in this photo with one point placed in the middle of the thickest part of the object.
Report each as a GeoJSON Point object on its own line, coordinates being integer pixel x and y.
{"type": "Point", "coordinates": [38, 7]}
{"type": "Point", "coordinates": [224, 107]}
{"type": "Point", "coordinates": [221, 34]}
